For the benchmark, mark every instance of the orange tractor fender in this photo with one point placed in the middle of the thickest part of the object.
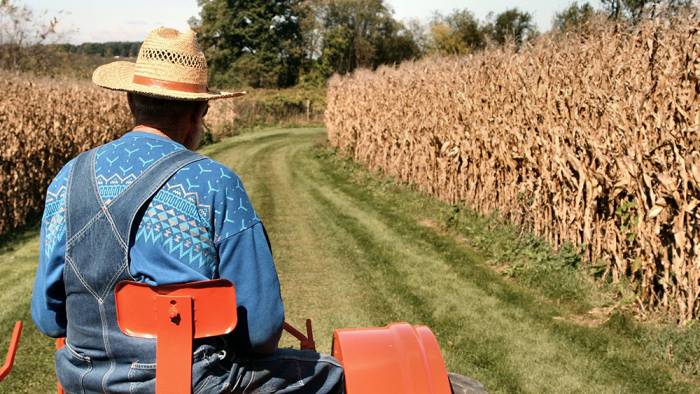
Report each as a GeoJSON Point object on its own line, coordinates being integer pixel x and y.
{"type": "Point", "coordinates": [398, 358]}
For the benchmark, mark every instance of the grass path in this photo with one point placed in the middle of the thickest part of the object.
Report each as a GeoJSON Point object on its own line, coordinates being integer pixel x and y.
{"type": "Point", "coordinates": [351, 254]}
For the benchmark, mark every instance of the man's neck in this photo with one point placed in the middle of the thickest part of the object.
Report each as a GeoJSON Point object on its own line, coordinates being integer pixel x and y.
{"type": "Point", "coordinates": [153, 130]}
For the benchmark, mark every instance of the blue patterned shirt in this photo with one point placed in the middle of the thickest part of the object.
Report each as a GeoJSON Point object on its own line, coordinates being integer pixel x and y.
{"type": "Point", "coordinates": [200, 225]}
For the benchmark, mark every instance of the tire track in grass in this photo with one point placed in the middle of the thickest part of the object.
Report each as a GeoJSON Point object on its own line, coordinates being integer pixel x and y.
{"type": "Point", "coordinates": [394, 300]}
{"type": "Point", "coordinates": [314, 285]}
{"type": "Point", "coordinates": [376, 260]}
{"type": "Point", "coordinates": [400, 294]}
{"type": "Point", "coordinates": [245, 145]}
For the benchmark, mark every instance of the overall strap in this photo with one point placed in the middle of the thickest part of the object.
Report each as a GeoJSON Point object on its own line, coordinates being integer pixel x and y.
{"type": "Point", "coordinates": [124, 208]}
{"type": "Point", "coordinates": [83, 195]}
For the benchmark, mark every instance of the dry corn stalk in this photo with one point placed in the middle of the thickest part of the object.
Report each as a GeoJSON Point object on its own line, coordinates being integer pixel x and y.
{"type": "Point", "coordinates": [44, 123]}
{"type": "Point", "coordinates": [591, 139]}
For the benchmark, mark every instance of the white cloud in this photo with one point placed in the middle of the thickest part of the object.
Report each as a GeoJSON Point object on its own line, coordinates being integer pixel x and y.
{"type": "Point", "coordinates": [99, 21]}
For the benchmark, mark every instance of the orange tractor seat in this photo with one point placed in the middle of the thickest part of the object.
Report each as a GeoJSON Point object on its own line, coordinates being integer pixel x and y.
{"type": "Point", "coordinates": [174, 315]}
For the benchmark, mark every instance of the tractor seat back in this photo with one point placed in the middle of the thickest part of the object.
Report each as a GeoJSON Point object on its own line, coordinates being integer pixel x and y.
{"type": "Point", "coordinates": [174, 315]}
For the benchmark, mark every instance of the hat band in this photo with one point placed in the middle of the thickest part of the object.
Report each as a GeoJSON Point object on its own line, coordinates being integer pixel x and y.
{"type": "Point", "coordinates": [170, 85]}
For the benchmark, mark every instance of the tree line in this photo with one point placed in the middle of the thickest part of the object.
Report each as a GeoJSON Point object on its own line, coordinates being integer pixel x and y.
{"type": "Point", "coordinates": [105, 49]}
{"type": "Point", "coordinates": [286, 42]}
{"type": "Point", "coordinates": [282, 43]}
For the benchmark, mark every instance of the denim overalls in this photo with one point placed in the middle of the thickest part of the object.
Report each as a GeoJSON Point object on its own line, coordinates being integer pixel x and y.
{"type": "Point", "coordinates": [97, 355]}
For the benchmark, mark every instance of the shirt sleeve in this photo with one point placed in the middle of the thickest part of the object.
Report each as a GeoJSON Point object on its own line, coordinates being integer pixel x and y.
{"type": "Point", "coordinates": [245, 259]}
{"type": "Point", "coordinates": [48, 295]}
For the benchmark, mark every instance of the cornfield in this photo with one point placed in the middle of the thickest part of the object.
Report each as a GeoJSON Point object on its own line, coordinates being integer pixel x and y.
{"type": "Point", "coordinates": [43, 124]}
{"type": "Point", "coordinates": [589, 138]}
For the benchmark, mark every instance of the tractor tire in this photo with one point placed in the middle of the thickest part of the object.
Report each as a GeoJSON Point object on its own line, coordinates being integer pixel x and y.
{"type": "Point", "coordinates": [463, 385]}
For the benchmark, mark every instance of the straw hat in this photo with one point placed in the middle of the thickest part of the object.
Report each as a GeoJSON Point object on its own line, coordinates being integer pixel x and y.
{"type": "Point", "coordinates": [170, 65]}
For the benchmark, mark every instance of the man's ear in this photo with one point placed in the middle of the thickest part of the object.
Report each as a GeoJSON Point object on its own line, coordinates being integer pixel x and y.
{"type": "Point", "coordinates": [130, 100]}
{"type": "Point", "coordinates": [199, 113]}
{"type": "Point", "coordinates": [193, 116]}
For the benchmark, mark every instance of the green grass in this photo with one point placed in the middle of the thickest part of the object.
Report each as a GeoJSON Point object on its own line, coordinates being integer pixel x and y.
{"type": "Point", "coordinates": [33, 372]}
{"type": "Point", "coordinates": [355, 249]}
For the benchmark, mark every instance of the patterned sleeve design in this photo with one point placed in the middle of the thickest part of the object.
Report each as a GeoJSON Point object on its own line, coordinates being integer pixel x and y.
{"type": "Point", "coordinates": [233, 211]}
{"type": "Point", "coordinates": [54, 218]}
{"type": "Point", "coordinates": [201, 204]}
{"type": "Point", "coordinates": [176, 220]}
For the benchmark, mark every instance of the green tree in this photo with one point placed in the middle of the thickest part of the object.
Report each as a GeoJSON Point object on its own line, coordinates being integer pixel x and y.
{"type": "Point", "coordinates": [456, 33]}
{"type": "Point", "coordinates": [395, 45]}
{"type": "Point", "coordinates": [311, 25]}
{"type": "Point", "coordinates": [444, 40]}
{"type": "Point", "coordinates": [360, 33]}
{"type": "Point", "coordinates": [512, 24]}
{"type": "Point", "coordinates": [573, 16]}
{"type": "Point", "coordinates": [635, 10]}
{"type": "Point", "coordinates": [255, 43]}
{"type": "Point", "coordinates": [114, 48]}
{"type": "Point", "coordinates": [419, 34]}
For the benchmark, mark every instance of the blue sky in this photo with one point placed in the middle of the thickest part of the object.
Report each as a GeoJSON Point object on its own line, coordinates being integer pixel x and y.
{"type": "Point", "coordinates": [130, 20]}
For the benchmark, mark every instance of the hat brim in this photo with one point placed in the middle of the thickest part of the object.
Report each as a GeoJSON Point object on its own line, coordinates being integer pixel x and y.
{"type": "Point", "coordinates": [120, 75]}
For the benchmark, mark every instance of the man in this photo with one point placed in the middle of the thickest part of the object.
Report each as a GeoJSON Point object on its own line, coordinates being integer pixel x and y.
{"type": "Point", "coordinates": [146, 207]}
